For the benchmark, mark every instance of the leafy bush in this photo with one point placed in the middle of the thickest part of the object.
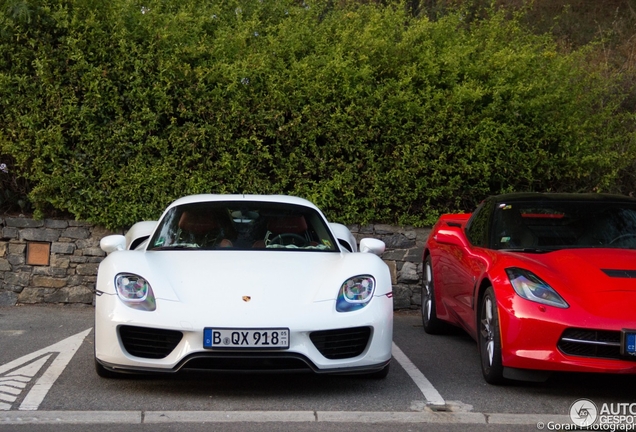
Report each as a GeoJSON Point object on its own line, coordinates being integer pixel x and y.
{"type": "Point", "coordinates": [113, 109]}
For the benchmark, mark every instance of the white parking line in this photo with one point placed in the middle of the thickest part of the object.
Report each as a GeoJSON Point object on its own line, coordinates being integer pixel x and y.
{"type": "Point", "coordinates": [435, 400]}
{"type": "Point", "coordinates": [27, 367]}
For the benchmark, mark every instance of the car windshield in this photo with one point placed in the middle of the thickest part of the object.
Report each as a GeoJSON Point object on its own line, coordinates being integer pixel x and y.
{"type": "Point", "coordinates": [543, 226]}
{"type": "Point", "coordinates": [240, 225]}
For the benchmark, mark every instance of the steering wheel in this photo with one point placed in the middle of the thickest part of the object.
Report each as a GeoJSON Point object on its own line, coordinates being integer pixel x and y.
{"type": "Point", "coordinates": [294, 239]}
{"type": "Point", "coordinates": [623, 236]}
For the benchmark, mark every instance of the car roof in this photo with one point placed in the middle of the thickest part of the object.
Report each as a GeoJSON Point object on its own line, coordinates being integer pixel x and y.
{"type": "Point", "coordinates": [549, 196]}
{"type": "Point", "coordinates": [284, 199]}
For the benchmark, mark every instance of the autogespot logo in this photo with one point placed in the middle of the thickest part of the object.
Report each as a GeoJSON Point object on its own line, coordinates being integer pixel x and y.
{"type": "Point", "coordinates": [583, 412]}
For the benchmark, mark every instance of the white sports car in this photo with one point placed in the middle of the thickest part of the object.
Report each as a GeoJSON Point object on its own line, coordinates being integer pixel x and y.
{"type": "Point", "coordinates": [242, 283]}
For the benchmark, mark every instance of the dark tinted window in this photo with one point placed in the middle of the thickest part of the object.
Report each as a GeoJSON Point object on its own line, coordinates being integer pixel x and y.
{"type": "Point", "coordinates": [478, 225]}
{"type": "Point", "coordinates": [242, 225]}
{"type": "Point", "coordinates": [553, 225]}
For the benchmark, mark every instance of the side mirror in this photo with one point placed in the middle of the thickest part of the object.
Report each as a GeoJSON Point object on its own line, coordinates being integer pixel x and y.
{"type": "Point", "coordinates": [372, 245]}
{"type": "Point", "coordinates": [113, 243]}
{"type": "Point", "coordinates": [451, 236]}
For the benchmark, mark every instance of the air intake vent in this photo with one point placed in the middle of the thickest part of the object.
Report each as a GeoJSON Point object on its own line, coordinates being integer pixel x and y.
{"type": "Point", "coordinates": [148, 342]}
{"type": "Point", "coordinates": [341, 343]}
{"type": "Point", "coordinates": [591, 343]}
{"type": "Point", "coordinates": [630, 274]}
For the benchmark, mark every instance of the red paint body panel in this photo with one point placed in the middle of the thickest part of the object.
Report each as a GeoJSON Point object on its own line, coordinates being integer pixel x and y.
{"type": "Point", "coordinates": [530, 331]}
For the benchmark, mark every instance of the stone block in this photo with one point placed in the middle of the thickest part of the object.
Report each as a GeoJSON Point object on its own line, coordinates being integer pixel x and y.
{"type": "Point", "coordinates": [16, 260]}
{"type": "Point", "coordinates": [20, 279]}
{"type": "Point", "coordinates": [90, 242]}
{"type": "Point", "coordinates": [10, 233]}
{"type": "Point", "coordinates": [76, 233]}
{"type": "Point", "coordinates": [94, 252]}
{"type": "Point", "coordinates": [74, 223]}
{"type": "Point", "coordinates": [78, 259]}
{"type": "Point", "coordinates": [8, 298]}
{"type": "Point", "coordinates": [55, 223]}
{"type": "Point", "coordinates": [394, 254]}
{"type": "Point", "coordinates": [60, 261]}
{"type": "Point", "coordinates": [408, 274]}
{"type": "Point", "coordinates": [383, 229]}
{"type": "Point", "coordinates": [50, 271]}
{"type": "Point", "coordinates": [40, 234]}
{"type": "Point", "coordinates": [4, 265]}
{"type": "Point", "coordinates": [3, 249]}
{"type": "Point", "coordinates": [17, 248]}
{"type": "Point", "coordinates": [398, 241]}
{"type": "Point", "coordinates": [87, 269]}
{"type": "Point", "coordinates": [34, 295]}
{"type": "Point", "coordinates": [23, 223]}
{"type": "Point", "coordinates": [62, 248]}
{"type": "Point", "coordinates": [401, 297]}
{"type": "Point", "coordinates": [414, 254]}
{"type": "Point", "coordinates": [48, 282]}
{"type": "Point", "coordinates": [393, 270]}
{"type": "Point", "coordinates": [95, 260]}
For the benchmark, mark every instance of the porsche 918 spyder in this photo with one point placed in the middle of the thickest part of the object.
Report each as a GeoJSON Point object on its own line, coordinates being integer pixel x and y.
{"type": "Point", "coordinates": [242, 283]}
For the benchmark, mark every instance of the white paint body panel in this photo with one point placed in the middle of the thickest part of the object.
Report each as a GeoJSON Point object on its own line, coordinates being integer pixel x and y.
{"type": "Point", "coordinates": [195, 289]}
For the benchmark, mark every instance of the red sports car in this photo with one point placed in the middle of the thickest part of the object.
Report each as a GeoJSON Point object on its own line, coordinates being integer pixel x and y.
{"type": "Point", "coordinates": [542, 282]}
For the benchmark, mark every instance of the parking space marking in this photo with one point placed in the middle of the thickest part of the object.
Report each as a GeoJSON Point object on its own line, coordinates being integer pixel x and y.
{"type": "Point", "coordinates": [15, 375]}
{"type": "Point", "coordinates": [434, 399]}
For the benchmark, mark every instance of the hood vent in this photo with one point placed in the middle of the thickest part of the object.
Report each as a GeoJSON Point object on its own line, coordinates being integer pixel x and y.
{"type": "Point", "coordinates": [630, 274]}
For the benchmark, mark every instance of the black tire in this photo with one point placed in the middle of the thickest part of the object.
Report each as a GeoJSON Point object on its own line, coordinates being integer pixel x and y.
{"type": "Point", "coordinates": [432, 325]}
{"type": "Point", "coordinates": [489, 339]}
{"type": "Point", "coordinates": [105, 373]}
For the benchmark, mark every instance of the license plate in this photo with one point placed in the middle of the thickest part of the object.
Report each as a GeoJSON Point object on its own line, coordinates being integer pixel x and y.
{"type": "Point", "coordinates": [266, 338]}
{"type": "Point", "coordinates": [628, 342]}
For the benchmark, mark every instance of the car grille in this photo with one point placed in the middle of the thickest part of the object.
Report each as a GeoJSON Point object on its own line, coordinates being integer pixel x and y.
{"type": "Point", "coordinates": [591, 343]}
{"type": "Point", "coordinates": [246, 361]}
{"type": "Point", "coordinates": [341, 343]}
{"type": "Point", "coordinates": [148, 342]}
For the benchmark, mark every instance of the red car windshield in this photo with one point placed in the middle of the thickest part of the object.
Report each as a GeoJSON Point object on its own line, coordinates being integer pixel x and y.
{"type": "Point", "coordinates": [568, 224]}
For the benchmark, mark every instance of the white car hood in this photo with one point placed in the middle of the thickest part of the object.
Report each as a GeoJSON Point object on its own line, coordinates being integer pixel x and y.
{"type": "Point", "coordinates": [268, 278]}
{"type": "Point", "coordinates": [226, 277]}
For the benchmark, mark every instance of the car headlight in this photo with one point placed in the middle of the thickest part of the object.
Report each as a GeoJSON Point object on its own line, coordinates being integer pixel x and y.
{"type": "Point", "coordinates": [355, 293]}
{"type": "Point", "coordinates": [135, 292]}
{"type": "Point", "coordinates": [531, 287]}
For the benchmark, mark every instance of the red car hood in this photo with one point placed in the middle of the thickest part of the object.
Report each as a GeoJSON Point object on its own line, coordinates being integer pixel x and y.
{"type": "Point", "coordinates": [602, 281]}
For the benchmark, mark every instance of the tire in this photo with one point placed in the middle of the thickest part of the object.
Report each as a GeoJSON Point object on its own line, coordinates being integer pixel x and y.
{"type": "Point", "coordinates": [432, 324]}
{"type": "Point", "coordinates": [489, 339]}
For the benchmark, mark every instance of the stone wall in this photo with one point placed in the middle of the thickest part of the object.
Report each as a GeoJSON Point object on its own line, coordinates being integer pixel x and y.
{"type": "Point", "coordinates": [69, 274]}
{"type": "Point", "coordinates": [55, 261]}
{"type": "Point", "coordinates": [403, 255]}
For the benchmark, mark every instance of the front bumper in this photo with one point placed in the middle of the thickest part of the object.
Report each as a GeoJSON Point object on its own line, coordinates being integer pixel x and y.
{"type": "Point", "coordinates": [302, 355]}
{"type": "Point", "coordinates": [536, 337]}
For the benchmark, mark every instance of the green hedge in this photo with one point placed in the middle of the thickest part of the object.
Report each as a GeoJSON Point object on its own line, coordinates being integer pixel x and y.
{"type": "Point", "coordinates": [113, 109]}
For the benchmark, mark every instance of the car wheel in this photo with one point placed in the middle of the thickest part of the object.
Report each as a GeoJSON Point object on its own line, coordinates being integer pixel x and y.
{"type": "Point", "coordinates": [490, 339]}
{"type": "Point", "coordinates": [105, 373]}
{"type": "Point", "coordinates": [432, 325]}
